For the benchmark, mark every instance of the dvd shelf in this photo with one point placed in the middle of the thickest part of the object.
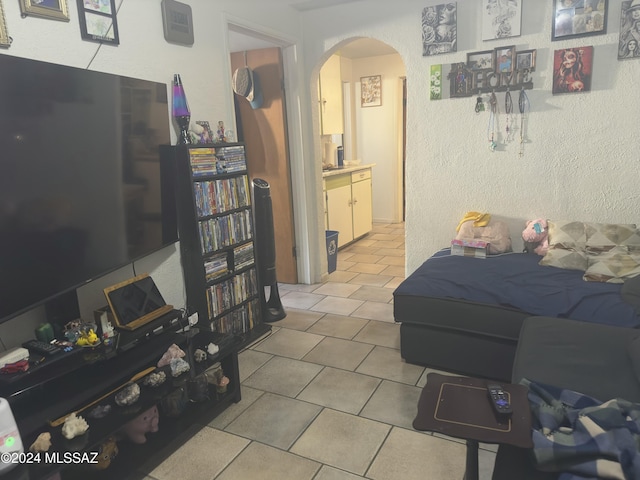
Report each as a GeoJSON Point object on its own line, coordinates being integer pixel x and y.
{"type": "Point", "coordinates": [215, 223]}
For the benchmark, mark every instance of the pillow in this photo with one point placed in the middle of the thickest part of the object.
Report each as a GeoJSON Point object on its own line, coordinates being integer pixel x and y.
{"type": "Point", "coordinates": [604, 236]}
{"type": "Point", "coordinates": [613, 265]}
{"type": "Point", "coordinates": [566, 246]}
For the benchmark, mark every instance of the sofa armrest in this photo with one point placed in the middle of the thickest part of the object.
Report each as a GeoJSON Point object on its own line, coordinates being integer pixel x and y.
{"type": "Point", "coordinates": [585, 357]}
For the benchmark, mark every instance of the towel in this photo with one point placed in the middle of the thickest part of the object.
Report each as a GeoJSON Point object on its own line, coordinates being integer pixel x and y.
{"type": "Point", "coordinates": [479, 219]}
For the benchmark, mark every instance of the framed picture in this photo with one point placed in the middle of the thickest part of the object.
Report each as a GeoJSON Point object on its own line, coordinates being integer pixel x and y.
{"type": "Point", "coordinates": [371, 91]}
{"type": "Point", "coordinates": [504, 59]}
{"type": "Point", "coordinates": [5, 40]}
{"type": "Point", "coordinates": [572, 68]}
{"type": "Point", "coordinates": [629, 40]}
{"type": "Point", "coordinates": [98, 21]}
{"type": "Point", "coordinates": [439, 29]}
{"type": "Point", "coordinates": [501, 19]}
{"type": "Point", "coordinates": [206, 135]}
{"type": "Point", "coordinates": [578, 18]}
{"type": "Point", "coordinates": [53, 9]}
{"type": "Point", "coordinates": [526, 60]}
{"type": "Point", "coordinates": [480, 60]}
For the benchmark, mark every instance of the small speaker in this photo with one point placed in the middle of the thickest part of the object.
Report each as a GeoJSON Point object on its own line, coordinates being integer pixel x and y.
{"type": "Point", "coordinates": [266, 251]}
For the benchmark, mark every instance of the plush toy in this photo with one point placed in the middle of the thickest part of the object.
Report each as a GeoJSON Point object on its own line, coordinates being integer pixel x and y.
{"type": "Point", "coordinates": [536, 236]}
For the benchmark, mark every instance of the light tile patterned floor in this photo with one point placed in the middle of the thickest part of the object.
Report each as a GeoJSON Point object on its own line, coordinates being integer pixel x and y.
{"type": "Point", "coordinates": [327, 395]}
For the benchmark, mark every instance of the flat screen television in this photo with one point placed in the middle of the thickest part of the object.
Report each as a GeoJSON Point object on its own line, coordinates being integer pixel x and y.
{"type": "Point", "coordinates": [81, 192]}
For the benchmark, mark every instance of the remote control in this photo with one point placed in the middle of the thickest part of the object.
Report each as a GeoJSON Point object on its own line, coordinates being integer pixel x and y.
{"type": "Point", "coordinates": [499, 399]}
{"type": "Point", "coordinates": [43, 348]}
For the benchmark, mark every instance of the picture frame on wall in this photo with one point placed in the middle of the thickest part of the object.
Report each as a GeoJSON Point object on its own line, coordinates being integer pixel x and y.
{"type": "Point", "coordinates": [504, 59]}
{"type": "Point", "coordinates": [501, 19]}
{"type": "Point", "coordinates": [480, 60]}
{"type": "Point", "coordinates": [629, 39]}
{"type": "Point", "coordinates": [578, 18]}
{"type": "Point", "coordinates": [526, 60]}
{"type": "Point", "coordinates": [440, 29]}
{"type": "Point", "coordinates": [51, 9]}
{"type": "Point", "coordinates": [572, 70]}
{"type": "Point", "coordinates": [98, 21]}
{"type": "Point", "coordinates": [371, 91]}
{"type": "Point", "coordinates": [5, 40]}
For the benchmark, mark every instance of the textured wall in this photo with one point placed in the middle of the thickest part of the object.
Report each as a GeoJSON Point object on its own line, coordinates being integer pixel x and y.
{"type": "Point", "coordinates": [581, 156]}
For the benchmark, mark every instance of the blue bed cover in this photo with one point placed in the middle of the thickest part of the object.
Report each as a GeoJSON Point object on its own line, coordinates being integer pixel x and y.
{"type": "Point", "coordinates": [517, 280]}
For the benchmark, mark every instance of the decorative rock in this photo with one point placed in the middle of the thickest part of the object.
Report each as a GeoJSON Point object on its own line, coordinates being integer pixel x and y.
{"type": "Point", "coordinates": [42, 443]}
{"type": "Point", "coordinates": [108, 451]}
{"type": "Point", "coordinates": [99, 411]}
{"type": "Point", "coordinates": [199, 355]}
{"type": "Point", "coordinates": [154, 379]}
{"type": "Point", "coordinates": [178, 367]}
{"type": "Point", "coordinates": [144, 423]}
{"type": "Point", "coordinates": [172, 352]}
{"type": "Point", "coordinates": [74, 426]}
{"type": "Point", "coordinates": [128, 395]}
{"type": "Point", "coordinates": [212, 349]}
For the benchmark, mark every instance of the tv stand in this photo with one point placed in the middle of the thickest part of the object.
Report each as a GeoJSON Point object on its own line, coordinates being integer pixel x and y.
{"type": "Point", "coordinates": [50, 391]}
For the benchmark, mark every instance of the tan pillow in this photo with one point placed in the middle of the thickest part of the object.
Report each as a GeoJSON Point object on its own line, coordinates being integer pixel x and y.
{"type": "Point", "coordinates": [613, 265]}
{"type": "Point", "coordinates": [604, 236]}
{"type": "Point", "coordinates": [566, 246]}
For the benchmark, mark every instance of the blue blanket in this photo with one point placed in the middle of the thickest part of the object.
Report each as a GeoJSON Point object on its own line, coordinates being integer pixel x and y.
{"type": "Point", "coordinates": [582, 437]}
{"type": "Point", "coordinates": [516, 280]}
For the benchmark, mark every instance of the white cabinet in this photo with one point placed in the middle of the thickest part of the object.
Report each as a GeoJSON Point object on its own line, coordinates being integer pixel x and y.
{"type": "Point", "coordinates": [348, 203]}
{"type": "Point", "coordinates": [330, 90]}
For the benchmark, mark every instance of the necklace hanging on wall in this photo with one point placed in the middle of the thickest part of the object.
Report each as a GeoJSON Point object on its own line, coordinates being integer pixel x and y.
{"type": "Point", "coordinates": [523, 107]}
{"type": "Point", "coordinates": [491, 128]}
{"type": "Point", "coordinates": [508, 110]}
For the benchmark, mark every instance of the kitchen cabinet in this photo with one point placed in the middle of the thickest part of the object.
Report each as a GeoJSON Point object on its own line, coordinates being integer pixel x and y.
{"type": "Point", "coordinates": [349, 204]}
{"type": "Point", "coordinates": [330, 94]}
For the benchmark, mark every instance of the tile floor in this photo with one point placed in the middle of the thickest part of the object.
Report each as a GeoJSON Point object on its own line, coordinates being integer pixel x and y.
{"type": "Point", "coordinates": [327, 396]}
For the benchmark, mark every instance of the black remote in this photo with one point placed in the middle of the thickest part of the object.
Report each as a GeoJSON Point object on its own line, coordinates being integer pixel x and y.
{"type": "Point", "coordinates": [499, 399]}
{"type": "Point", "coordinates": [43, 348]}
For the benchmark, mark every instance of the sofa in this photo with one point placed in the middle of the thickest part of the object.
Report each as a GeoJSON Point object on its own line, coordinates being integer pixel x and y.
{"type": "Point", "coordinates": [464, 314]}
{"type": "Point", "coordinates": [601, 361]}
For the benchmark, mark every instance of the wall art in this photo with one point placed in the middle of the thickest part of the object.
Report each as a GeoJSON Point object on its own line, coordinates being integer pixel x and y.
{"type": "Point", "coordinates": [5, 40]}
{"type": "Point", "coordinates": [525, 59]}
{"type": "Point", "coordinates": [504, 59]}
{"type": "Point", "coordinates": [629, 40]}
{"type": "Point", "coordinates": [439, 29]}
{"type": "Point", "coordinates": [98, 21]}
{"type": "Point", "coordinates": [371, 91]}
{"type": "Point", "coordinates": [578, 18]}
{"type": "Point", "coordinates": [435, 87]}
{"type": "Point", "coordinates": [480, 60]}
{"type": "Point", "coordinates": [501, 18]}
{"type": "Point", "coordinates": [52, 9]}
{"type": "Point", "coordinates": [572, 68]}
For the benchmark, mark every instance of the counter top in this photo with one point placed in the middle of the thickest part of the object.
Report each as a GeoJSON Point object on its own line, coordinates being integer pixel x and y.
{"type": "Point", "coordinates": [342, 170]}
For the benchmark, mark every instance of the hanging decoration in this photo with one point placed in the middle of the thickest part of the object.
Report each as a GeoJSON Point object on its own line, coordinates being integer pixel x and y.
{"type": "Point", "coordinates": [508, 111]}
{"type": "Point", "coordinates": [436, 82]}
{"type": "Point", "coordinates": [523, 107]}
{"type": "Point", "coordinates": [491, 128]}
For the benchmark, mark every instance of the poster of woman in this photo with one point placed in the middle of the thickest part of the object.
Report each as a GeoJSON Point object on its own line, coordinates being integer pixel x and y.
{"type": "Point", "coordinates": [572, 68]}
{"type": "Point", "coordinates": [629, 39]}
{"type": "Point", "coordinates": [440, 29]}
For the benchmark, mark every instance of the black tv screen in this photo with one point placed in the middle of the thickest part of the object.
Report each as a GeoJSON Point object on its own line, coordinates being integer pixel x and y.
{"type": "Point", "coordinates": [80, 183]}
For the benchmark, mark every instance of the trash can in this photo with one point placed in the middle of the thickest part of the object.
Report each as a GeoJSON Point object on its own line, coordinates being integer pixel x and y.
{"type": "Point", "coordinates": [332, 249]}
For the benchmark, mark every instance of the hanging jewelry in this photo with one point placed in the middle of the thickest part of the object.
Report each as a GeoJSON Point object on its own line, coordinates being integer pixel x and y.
{"type": "Point", "coordinates": [491, 128]}
{"type": "Point", "coordinates": [524, 107]}
{"type": "Point", "coordinates": [508, 110]}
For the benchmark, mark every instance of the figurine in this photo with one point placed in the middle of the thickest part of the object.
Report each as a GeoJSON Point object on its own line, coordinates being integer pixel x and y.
{"type": "Point", "coordinates": [74, 426]}
{"type": "Point", "coordinates": [220, 132]}
{"type": "Point", "coordinates": [144, 423]}
{"type": "Point", "coordinates": [88, 338]}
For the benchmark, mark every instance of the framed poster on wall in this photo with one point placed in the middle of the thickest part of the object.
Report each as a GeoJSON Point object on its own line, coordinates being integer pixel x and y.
{"type": "Point", "coordinates": [501, 19]}
{"type": "Point", "coordinates": [578, 18]}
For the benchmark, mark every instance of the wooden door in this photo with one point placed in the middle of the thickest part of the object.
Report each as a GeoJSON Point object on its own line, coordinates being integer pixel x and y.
{"type": "Point", "coordinates": [264, 132]}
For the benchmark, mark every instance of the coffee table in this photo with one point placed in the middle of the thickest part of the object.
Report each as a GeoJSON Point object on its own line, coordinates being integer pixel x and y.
{"type": "Point", "coordinates": [460, 407]}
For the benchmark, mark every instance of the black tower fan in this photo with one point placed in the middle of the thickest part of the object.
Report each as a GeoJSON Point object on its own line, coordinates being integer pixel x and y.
{"type": "Point", "coordinates": [266, 251]}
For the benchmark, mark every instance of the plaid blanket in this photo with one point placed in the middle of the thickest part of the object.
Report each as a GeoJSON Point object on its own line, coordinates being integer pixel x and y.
{"type": "Point", "coordinates": [583, 437]}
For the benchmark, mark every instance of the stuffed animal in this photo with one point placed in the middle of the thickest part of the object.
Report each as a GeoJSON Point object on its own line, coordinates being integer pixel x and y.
{"type": "Point", "coordinates": [536, 236]}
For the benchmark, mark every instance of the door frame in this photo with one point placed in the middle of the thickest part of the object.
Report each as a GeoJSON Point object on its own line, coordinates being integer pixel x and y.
{"type": "Point", "coordinates": [305, 227]}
